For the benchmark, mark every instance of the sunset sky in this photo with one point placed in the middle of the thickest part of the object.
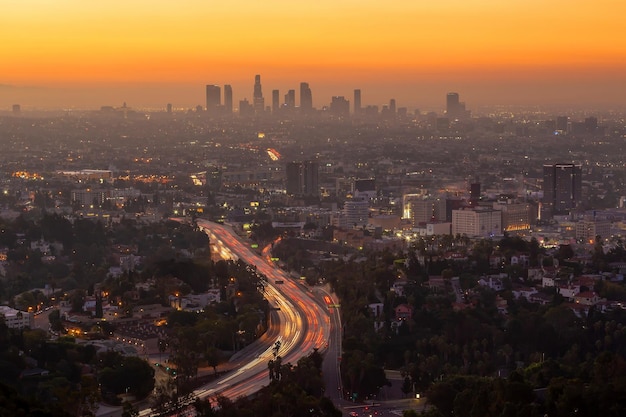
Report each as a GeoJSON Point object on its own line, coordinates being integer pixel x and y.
{"type": "Point", "coordinates": [85, 54]}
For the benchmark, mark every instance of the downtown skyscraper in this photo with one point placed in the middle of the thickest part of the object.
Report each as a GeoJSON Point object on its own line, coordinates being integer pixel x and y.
{"type": "Point", "coordinates": [306, 98]}
{"type": "Point", "coordinates": [213, 99]}
{"type": "Point", "coordinates": [258, 102]}
{"type": "Point", "coordinates": [228, 99]}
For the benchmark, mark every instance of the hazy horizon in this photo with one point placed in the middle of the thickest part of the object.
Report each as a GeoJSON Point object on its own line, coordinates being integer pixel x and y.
{"type": "Point", "coordinates": [74, 54]}
{"type": "Point", "coordinates": [415, 97]}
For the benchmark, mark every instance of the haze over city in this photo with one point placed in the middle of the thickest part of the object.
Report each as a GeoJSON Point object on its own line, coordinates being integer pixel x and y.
{"type": "Point", "coordinates": [75, 54]}
{"type": "Point", "coordinates": [320, 209]}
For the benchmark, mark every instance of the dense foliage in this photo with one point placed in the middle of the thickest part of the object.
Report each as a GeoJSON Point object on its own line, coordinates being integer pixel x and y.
{"type": "Point", "coordinates": [298, 392]}
{"type": "Point", "coordinates": [473, 359]}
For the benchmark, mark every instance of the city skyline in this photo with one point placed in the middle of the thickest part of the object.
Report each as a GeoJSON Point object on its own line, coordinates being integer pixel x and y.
{"type": "Point", "coordinates": [80, 55]}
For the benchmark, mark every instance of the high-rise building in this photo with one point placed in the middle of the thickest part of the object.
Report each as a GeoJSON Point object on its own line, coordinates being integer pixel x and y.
{"type": "Point", "coordinates": [562, 123]}
{"type": "Point", "coordinates": [290, 99]}
{"type": "Point", "coordinates": [228, 99]}
{"type": "Point", "coordinates": [258, 101]}
{"type": "Point", "coordinates": [355, 213]}
{"type": "Point", "coordinates": [275, 101]}
{"type": "Point", "coordinates": [357, 101]}
{"type": "Point", "coordinates": [245, 108]}
{"type": "Point", "coordinates": [213, 99]}
{"type": "Point", "coordinates": [454, 108]}
{"type": "Point", "coordinates": [306, 98]}
{"type": "Point", "coordinates": [339, 106]}
{"type": "Point", "coordinates": [474, 192]}
{"type": "Point", "coordinates": [302, 178]}
{"type": "Point", "coordinates": [562, 189]}
{"type": "Point", "coordinates": [452, 104]}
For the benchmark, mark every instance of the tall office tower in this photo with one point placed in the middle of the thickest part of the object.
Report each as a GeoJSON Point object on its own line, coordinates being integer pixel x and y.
{"type": "Point", "coordinates": [392, 106]}
{"type": "Point", "coordinates": [474, 192]}
{"type": "Point", "coordinates": [16, 109]}
{"type": "Point", "coordinates": [561, 124]}
{"type": "Point", "coordinates": [339, 106]}
{"type": "Point", "coordinates": [306, 98]}
{"type": "Point", "coordinates": [591, 124]}
{"type": "Point", "coordinates": [228, 99]}
{"type": "Point", "coordinates": [290, 99]}
{"type": "Point", "coordinates": [302, 178]}
{"type": "Point", "coordinates": [213, 99]}
{"type": "Point", "coordinates": [562, 188]}
{"type": "Point", "coordinates": [258, 101]}
{"type": "Point", "coordinates": [275, 101]}
{"type": "Point", "coordinates": [452, 105]}
{"type": "Point", "coordinates": [357, 101]}
{"type": "Point", "coordinates": [245, 108]}
{"type": "Point", "coordinates": [169, 107]}
{"type": "Point", "coordinates": [311, 178]}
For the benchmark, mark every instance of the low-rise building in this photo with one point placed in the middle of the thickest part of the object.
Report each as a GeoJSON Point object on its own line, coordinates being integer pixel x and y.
{"type": "Point", "coordinates": [16, 319]}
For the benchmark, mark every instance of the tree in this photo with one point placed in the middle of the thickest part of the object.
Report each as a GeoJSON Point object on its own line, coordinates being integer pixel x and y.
{"type": "Point", "coordinates": [129, 374]}
{"type": "Point", "coordinates": [407, 385]}
{"type": "Point", "coordinates": [128, 410]}
{"type": "Point", "coordinates": [213, 356]}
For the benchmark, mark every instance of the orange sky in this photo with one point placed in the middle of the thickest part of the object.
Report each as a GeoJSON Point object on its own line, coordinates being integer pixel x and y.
{"type": "Point", "coordinates": [148, 53]}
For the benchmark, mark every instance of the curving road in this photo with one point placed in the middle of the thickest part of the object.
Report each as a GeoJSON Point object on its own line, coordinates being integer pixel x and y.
{"type": "Point", "coordinates": [304, 320]}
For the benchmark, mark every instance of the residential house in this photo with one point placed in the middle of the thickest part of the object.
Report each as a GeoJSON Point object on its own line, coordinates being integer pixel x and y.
{"type": "Point", "coordinates": [403, 312]}
{"type": "Point", "coordinates": [588, 298]}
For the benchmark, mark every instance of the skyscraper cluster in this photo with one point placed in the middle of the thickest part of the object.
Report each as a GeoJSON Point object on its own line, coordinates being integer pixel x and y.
{"type": "Point", "coordinates": [214, 106]}
{"type": "Point", "coordinates": [339, 106]}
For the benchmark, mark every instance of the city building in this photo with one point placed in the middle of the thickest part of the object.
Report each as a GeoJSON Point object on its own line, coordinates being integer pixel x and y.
{"type": "Point", "coordinates": [515, 216]}
{"type": "Point", "coordinates": [339, 106]}
{"type": "Point", "coordinates": [89, 197]}
{"type": "Point", "coordinates": [454, 108]}
{"type": "Point", "coordinates": [306, 98]}
{"type": "Point", "coordinates": [275, 101]}
{"type": "Point", "coordinates": [302, 178]}
{"type": "Point", "coordinates": [16, 319]}
{"type": "Point", "coordinates": [258, 102]}
{"type": "Point", "coordinates": [562, 189]}
{"type": "Point", "coordinates": [245, 108]}
{"type": "Point", "coordinates": [426, 211]}
{"type": "Point", "coordinates": [365, 188]}
{"type": "Point", "coordinates": [213, 99]}
{"type": "Point", "coordinates": [228, 99]}
{"type": "Point", "coordinates": [290, 100]}
{"type": "Point", "coordinates": [477, 223]}
{"type": "Point", "coordinates": [588, 229]}
{"type": "Point", "coordinates": [355, 213]}
{"type": "Point", "coordinates": [357, 101]}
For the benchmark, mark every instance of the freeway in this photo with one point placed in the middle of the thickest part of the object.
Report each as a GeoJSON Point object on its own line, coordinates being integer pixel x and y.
{"type": "Point", "coordinates": [304, 321]}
